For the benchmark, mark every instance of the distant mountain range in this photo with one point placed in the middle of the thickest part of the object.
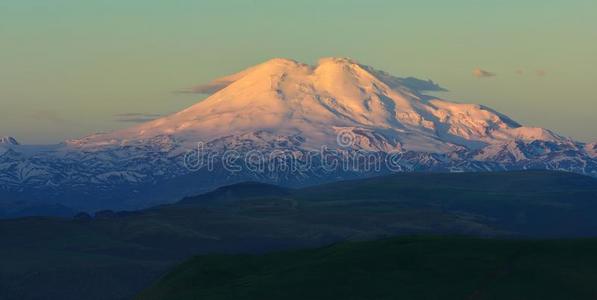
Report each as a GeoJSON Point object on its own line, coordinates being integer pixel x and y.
{"type": "Point", "coordinates": [281, 122]}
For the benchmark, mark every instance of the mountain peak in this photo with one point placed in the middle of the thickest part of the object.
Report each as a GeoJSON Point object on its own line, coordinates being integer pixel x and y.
{"type": "Point", "coordinates": [337, 60]}
{"type": "Point", "coordinates": [288, 98]}
{"type": "Point", "coordinates": [281, 60]}
{"type": "Point", "coordinates": [323, 60]}
{"type": "Point", "coordinates": [8, 140]}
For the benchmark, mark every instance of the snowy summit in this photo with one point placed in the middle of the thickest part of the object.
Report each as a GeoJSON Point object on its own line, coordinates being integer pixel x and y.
{"type": "Point", "coordinates": [8, 140]}
{"type": "Point", "coordinates": [283, 105]}
{"type": "Point", "coordinates": [289, 98]}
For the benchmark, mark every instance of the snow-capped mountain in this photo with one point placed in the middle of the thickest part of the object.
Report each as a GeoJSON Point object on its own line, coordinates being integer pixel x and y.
{"type": "Point", "coordinates": [8, 141]}
{"type": "Point", "coordinates": [304, 111]}
{"type": "Point", "coordinates": [592, 149]}
{"type": "Point", "coordinates": [316, 102]}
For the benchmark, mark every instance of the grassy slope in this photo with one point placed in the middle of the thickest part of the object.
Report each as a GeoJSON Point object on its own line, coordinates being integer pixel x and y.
{"type": "Point", "coordinates": [400, 268]}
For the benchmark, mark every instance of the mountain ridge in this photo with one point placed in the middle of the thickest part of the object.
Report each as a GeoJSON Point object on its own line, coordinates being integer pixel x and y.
{"type": "Point", "coordinates": [288, 97]}
{"type": "Point", "coordinates": [8, 140]}
{"type": "Point", "coordinates": [286, 112]}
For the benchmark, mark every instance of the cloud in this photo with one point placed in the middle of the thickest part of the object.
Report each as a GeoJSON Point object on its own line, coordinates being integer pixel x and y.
{"type": "Point", "coordinates": [215, 85]}
{"type": "Point", "coordinates": [136, 117]}
{"type": "Point", "coordinates": [412, 83]}
{"type": "Point", "coordinates": [480, 73]}
{"type": "Point", "coordinates": [540, 73]}
{"type": "Point", "coordinates": [208, 89]}
{"type": "Point", "coordinates": [49, 116]}
{"type": "Point", "coordinates": [421, 85]}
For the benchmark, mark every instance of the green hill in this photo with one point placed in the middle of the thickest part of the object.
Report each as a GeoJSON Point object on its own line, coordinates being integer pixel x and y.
{"type": "Point", "coordinates": [400, 268]}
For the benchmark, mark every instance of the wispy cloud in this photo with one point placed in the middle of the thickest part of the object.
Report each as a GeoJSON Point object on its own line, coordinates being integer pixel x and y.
{"type": "Point", "coordinates": [208, 89]}
{"type": "Point", "coordinates": [49, 116]}
{"type": "Point", "coordinates": [480, 73]}
{"type": "Point", "coordinates": [136, 117]}
{"type": "Point", "coordinates": [540, 73]}
{"type": "Point", "coordinates": [421, 85]}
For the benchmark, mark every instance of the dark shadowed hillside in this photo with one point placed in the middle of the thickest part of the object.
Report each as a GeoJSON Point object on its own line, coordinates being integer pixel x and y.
{"type": "Point", "coordinates": [115, 254]}
{"type": "Point", "coordinates": [400, 268]}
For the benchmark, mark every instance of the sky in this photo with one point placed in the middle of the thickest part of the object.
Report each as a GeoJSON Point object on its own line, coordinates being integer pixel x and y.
{"type": "Point", "coordinates": [69, 68]}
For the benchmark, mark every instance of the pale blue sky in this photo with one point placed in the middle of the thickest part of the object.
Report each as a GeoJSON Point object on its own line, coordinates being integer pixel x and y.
{"type": "Point", "coordinates": [69, 68]}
